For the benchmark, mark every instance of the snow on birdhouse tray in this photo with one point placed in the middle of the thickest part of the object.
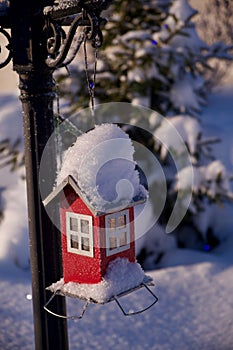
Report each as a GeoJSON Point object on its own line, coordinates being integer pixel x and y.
{"type": "Point", "coordinates": [121, 276]}
{"type": "Point", "coordinates": [101, 162]}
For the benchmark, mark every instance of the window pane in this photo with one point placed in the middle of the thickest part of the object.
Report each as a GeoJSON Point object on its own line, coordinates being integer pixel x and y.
{"type": "Point", "coordinates": [84, 226]}
{"type": "Point", "coordinates": [112, 224]}
{"type": "Point", "coordinates": [122, 221]}
{"type": "Point", "coordinates": [74, 241]}
{"type": "Point", "coordinates": [85, 244]}
{"type": "Point", "coordinates": [123, 239]}
{"type": "Point", "coordinates": [112, 242]}
{"type": "Point", "coordinates": [74, 224]}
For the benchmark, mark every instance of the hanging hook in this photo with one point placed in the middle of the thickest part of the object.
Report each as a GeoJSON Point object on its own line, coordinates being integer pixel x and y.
{"type": "Point", "coordinates": [91, 84]}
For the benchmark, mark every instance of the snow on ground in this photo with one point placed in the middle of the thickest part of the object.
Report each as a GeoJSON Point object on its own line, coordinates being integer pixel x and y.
{"type": "Point", "coordinates": [194, 288]}
{"type": "Point", "coordinates": [194, 311]}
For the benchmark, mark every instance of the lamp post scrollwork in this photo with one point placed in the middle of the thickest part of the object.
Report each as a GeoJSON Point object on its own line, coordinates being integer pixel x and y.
{"type": "Point", "coordinates": [6, 58]}
{"type": "Point", "coordinates": [72, 13]}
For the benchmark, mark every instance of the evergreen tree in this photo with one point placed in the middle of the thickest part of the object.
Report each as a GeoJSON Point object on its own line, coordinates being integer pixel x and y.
{"type": "Point", "coordinates": [128, 60]}
{"type": "Point", "coordinates": [153, 56]}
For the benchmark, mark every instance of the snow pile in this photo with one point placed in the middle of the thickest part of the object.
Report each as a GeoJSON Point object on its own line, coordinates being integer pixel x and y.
{"type": "Point", "coordinates": [186, 37]}
{"type": "Point", "coordinates": [101, 161]}
{"type": "Point", "coordinates": [182, 10]}
{"type": "Point", "coordinates": [184, 94]}
{"type": "Point", "coordinates": [121, 276]}
{"type": "Point", "coordinates": [212, 179]}
{"type": "Point", "coordinates": [177, 132]}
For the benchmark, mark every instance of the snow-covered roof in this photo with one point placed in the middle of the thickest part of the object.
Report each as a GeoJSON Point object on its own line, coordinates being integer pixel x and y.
{"type": "Point", "coordinates": [101, 170]}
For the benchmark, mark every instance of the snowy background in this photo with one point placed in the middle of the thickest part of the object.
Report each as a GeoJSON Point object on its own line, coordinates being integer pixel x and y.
{"type": "Point", "coordinates": [194, 288]}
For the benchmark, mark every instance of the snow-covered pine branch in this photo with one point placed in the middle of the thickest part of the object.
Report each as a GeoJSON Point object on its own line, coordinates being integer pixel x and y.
{"type": "Point", "coordinates": [153, 56]}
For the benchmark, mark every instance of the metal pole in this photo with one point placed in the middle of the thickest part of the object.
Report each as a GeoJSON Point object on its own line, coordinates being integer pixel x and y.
{"type": "Point", "coordinates": [32, 29]}
{"type": "Point", "coordinates": [37, 94]}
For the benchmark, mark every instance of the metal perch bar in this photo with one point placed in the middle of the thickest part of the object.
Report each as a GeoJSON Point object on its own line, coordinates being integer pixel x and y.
{"type": "Point", "coordinates": [88, 301]}
{"type": "Point", "coordinates": [116, 298]}
{"type": "Point", "coordinates": [74, 317]}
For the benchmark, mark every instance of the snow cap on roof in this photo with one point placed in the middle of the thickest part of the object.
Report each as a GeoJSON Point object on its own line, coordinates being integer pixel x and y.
{"type": "Point", "coordinates": [101, 162]}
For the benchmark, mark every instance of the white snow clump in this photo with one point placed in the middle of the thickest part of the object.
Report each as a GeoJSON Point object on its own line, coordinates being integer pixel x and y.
{"type": "Point", "coordinates": [101, 161]}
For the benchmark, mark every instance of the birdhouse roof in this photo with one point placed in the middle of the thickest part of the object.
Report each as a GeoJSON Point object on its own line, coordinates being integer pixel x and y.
{"type": "Point", "coordinates": [110, 208]}
{"type": "Point", "coordinates": [101, 169]}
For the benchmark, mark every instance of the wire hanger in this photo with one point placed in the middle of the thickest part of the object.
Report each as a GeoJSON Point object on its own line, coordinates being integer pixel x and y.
{"type": "Point", "coordinates": [90, 83]}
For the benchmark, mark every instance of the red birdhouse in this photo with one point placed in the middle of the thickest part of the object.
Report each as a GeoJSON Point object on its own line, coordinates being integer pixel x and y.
{"type": "Point", "coordinates": [91, 238]}
{"type": "Point", "coordinates": [98, 187]}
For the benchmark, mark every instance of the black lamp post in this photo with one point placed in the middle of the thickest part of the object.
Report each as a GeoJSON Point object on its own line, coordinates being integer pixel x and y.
{"type": "Point", "coordinates": [38, 45]}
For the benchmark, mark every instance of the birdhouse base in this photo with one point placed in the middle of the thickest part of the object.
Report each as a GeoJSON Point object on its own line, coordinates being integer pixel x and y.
{"type": "Point", "coordinates": [145, 284]}
{"type": "Point", "coordinates": [122, 277]}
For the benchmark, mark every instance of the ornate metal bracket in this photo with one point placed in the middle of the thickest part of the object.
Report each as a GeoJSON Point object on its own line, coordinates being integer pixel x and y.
{"type": "Point", "coordinates": [7, 59]}
{"type": "Point", "coordinates": [4, 14]}
{"type": "Point", "coordinates": [62, 46]}
{"type": "Point", "coordinates": [59, 43]}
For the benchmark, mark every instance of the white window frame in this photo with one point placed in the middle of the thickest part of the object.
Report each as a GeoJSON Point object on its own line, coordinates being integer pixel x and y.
{"type": "Point", "coordinates": [117, 233]}
{"type": "Point", "coordinates": [80, 235]}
